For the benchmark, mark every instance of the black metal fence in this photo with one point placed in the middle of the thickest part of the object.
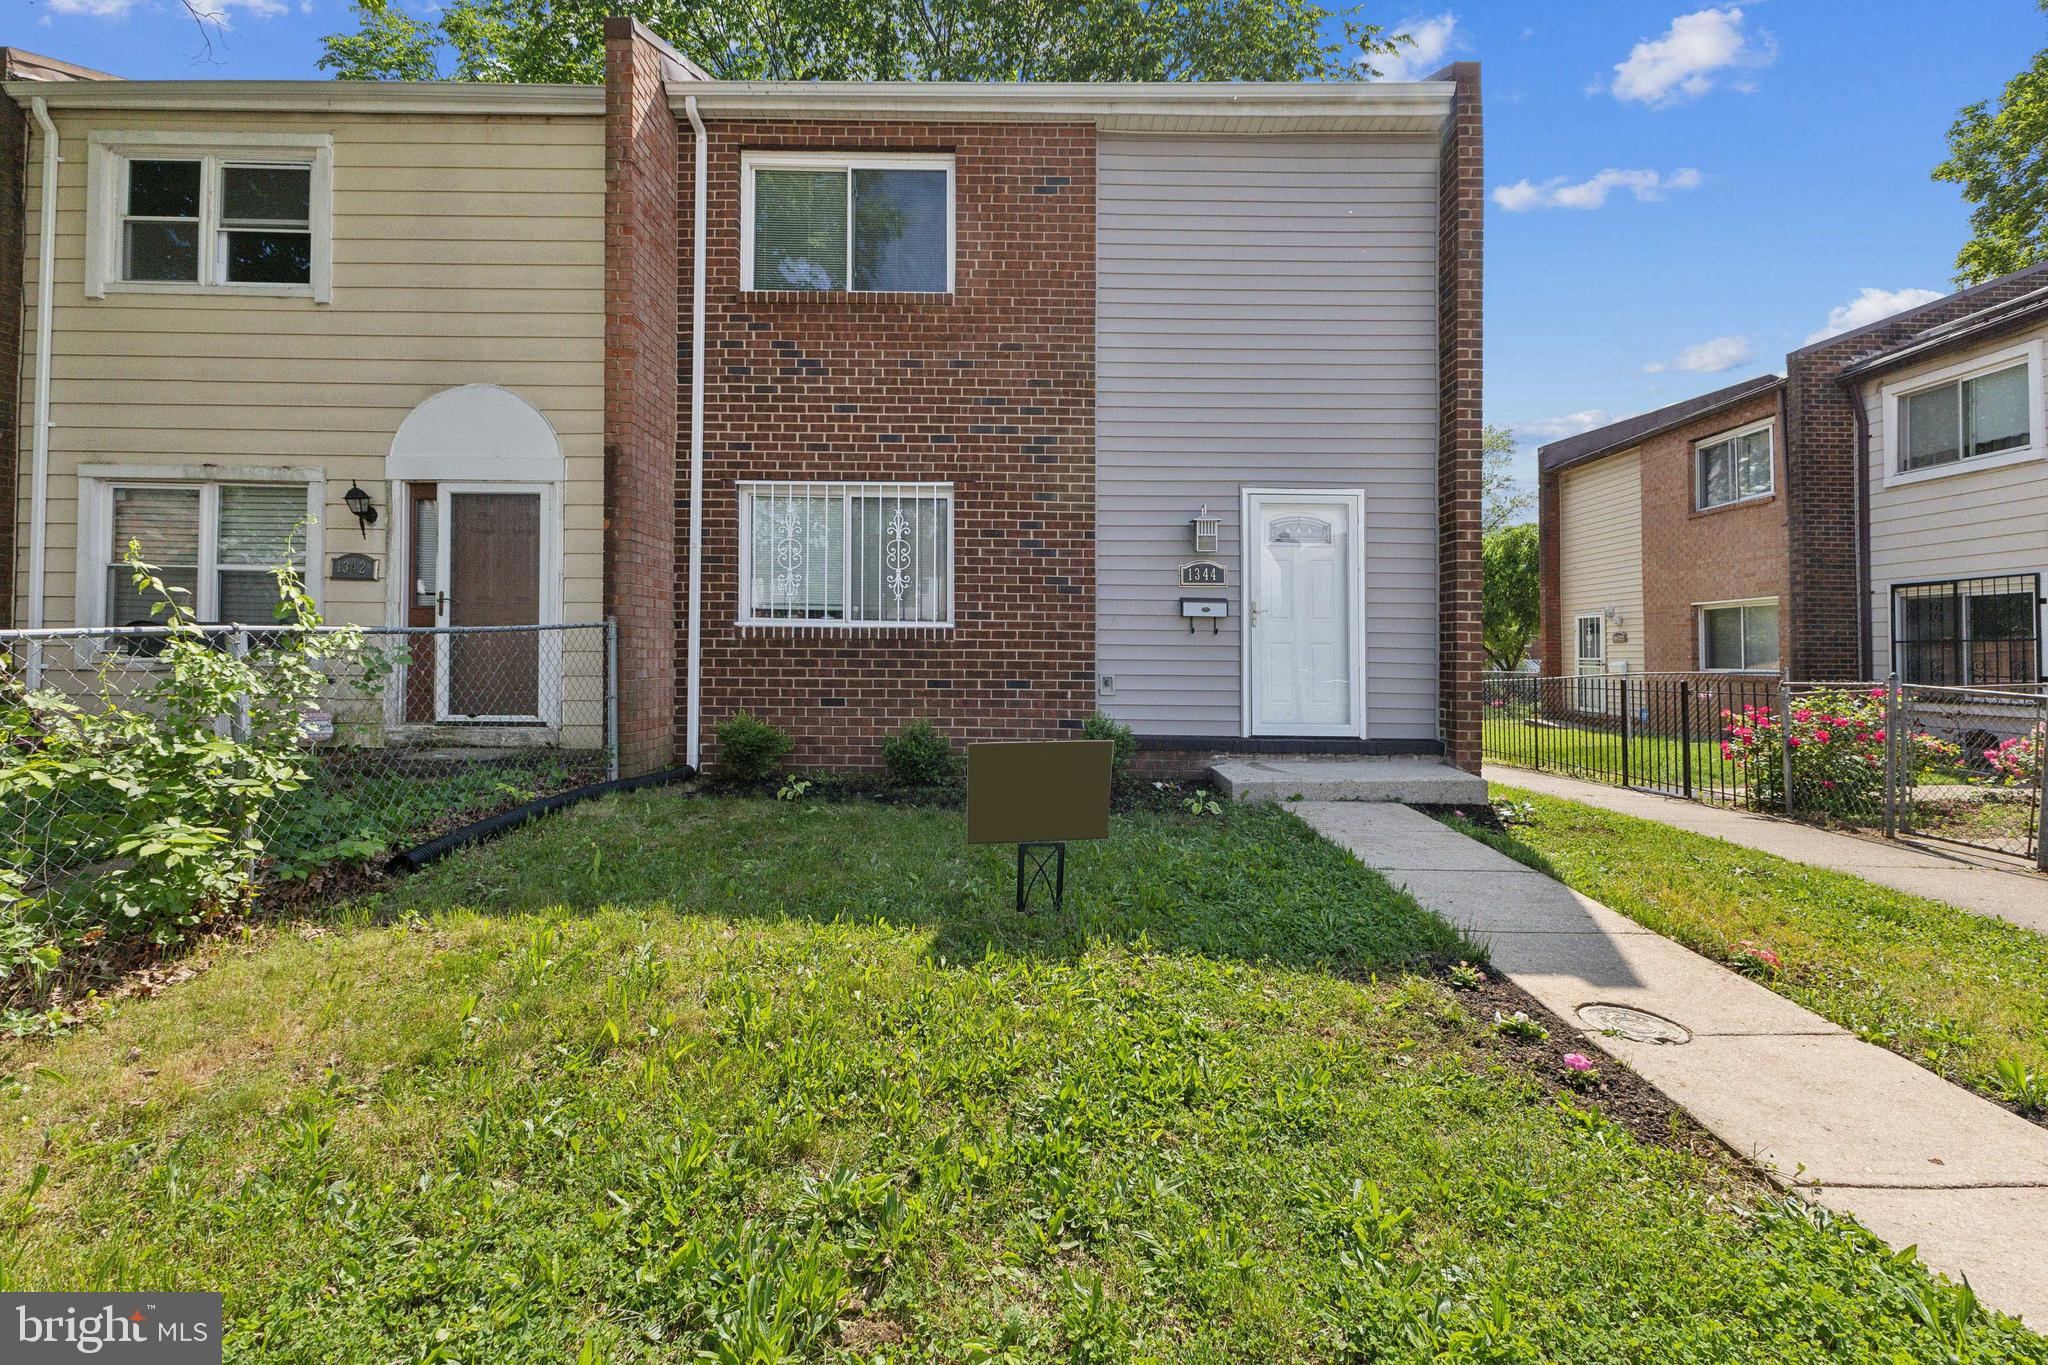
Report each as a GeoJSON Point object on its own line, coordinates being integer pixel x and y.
{"type": "Point", "coordinates": [1959, 764]}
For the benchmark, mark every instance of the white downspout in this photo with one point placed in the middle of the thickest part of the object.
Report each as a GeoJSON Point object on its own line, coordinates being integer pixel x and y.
{"type": "Point", "coordinates": [693, 722]}
{"type": "Point", "coordinates": [39, 464]}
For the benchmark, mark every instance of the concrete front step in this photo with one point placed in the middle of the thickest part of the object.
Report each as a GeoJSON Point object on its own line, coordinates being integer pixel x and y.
{"type": "Point", "coordinates": [1416, 781]}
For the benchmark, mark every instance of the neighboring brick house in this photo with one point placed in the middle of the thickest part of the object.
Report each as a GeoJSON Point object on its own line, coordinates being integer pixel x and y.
{"type": "Point", "coordinates": [995, 376]}
{"type": "Point", "coordinates": [1663, 539]}
{"type": "Point", "coordinates": [1929, 559]}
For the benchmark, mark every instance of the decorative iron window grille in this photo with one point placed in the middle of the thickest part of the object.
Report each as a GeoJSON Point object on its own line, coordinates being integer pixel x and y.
{"type": "Point", "coordinates": [846, 554]}
{"type": "Point", "coordinates": [1968, 632]}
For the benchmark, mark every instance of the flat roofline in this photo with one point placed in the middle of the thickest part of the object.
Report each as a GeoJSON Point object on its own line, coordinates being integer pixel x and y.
{"type": "Point", "coordinates": [1390, 106]}
{"type": "Point", "coordinates": [316, 97]}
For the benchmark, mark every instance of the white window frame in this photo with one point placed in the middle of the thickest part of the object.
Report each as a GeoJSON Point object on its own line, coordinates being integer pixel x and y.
{"type": "Point", "coordinates": [107, 157]}
{"type": "Point", "coordinates": [845, 490]}
{"type": "Point", "coordinates": [96, 548]}
{"type": "Point", "coordinates": [1699, 612]}
{"type": "Point", "coordinates": [848, 162]}
{"type": "Point", "coordinates": [1767, 425]}
{"type": "Point", "coordinates": [1894, 453]}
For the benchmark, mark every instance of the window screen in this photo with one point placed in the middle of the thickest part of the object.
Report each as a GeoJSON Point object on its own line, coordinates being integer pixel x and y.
{"type": "Point", "coordinates": [160, 224]}
{"type": "Point", "coordinates": [1733, 469]}
{"type": "Point", "coordinates": [866, 228]}
{"type": "Point", "coordinates": [164, 524]}
{"type": "Point", "coordinates": [1964, 420]}
{"type": "Point", "coordinates": [1739, 637]}
{"type": "Point", "coordinates": [266, 225]}
{"type": "Point", "coordinates": [258, 533]}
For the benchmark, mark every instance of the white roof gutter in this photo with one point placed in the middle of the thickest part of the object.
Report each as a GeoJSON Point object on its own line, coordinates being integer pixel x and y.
{"type": "Point", "coordinates": [1373, 106]}
{"type": "Point", "coordinates": [46, 292]}
{"type": "Point", "coordinates": [693, 685]}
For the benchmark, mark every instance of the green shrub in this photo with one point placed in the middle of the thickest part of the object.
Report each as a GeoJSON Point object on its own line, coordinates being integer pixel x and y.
{"type": "Point", "coordinates": [919, 756]}
{"type": "Point", "coordinates": [751, 750]}
{"type": "Point", "coordinates": [1123, 744]}
{"type": "Point", "coordinates": [136, 808]}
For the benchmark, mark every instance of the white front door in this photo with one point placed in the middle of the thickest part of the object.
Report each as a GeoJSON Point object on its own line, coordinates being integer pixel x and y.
{"type": "Point", "coordinates": [1591, 660]}
{"type": "Point", "coordinates": [1304, 621]}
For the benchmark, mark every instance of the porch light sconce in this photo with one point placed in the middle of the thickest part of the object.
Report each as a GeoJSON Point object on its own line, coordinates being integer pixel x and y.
{"type": "Point", "coordinates": [359, 503]}
{"type": "Point", "coordinates": [1204, 528]}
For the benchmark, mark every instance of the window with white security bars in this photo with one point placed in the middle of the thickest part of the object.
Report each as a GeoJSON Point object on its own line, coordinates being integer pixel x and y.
{"type": "Point", "coordinates": [846, 554]}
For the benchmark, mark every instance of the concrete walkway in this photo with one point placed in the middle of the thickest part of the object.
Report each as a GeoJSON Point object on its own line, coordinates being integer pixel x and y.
{"type": "Point", "coordinates": [1981, 882]}
{"type": "Point", "coordinates": [1917, 1160]}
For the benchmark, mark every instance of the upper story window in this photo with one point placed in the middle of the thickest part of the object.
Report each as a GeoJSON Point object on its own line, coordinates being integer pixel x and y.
{"type": "Point", "coordinates": [1963, 420]}
{"type": "Point", "coordinates": [1975, 415]}
{"type": "Point", "coordinates": [189, 212]}
{"type": "Point", "coordinates": [847, 223]}
{"type": "Point", "coordinates": [1734, 467]}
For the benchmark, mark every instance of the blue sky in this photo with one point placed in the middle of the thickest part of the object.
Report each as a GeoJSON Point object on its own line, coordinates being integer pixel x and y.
{"type": "Point", "coordinates": [1680, 194]}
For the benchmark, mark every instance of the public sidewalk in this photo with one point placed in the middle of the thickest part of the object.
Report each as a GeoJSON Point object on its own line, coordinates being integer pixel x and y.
{"type": "Point", "coordinates": [1845, 1123]}
{"type": "Point", "coordinates": [1984, 883]}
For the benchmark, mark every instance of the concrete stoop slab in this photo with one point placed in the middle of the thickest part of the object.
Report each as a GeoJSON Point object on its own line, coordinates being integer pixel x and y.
{"type": "Point", "coordinates": [1422, 781]}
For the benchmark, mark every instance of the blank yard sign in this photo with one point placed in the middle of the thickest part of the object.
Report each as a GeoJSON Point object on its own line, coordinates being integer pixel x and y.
{"type": "Point", "coordinates": [1038, 792]}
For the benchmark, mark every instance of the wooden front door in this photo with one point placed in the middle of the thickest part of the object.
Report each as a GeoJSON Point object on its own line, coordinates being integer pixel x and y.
{"type": "Point", "coordinates": [490, 550]}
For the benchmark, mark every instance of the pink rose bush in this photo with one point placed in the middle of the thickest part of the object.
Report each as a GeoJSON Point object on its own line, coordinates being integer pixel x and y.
{"type": "Point", "coordinates": [1836, 739]}
{"type": "Point", "coordinates": [2017, 761]}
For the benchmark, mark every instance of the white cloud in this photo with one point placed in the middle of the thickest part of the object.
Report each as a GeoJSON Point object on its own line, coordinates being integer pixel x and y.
{"type": "Point", "coordinates": [1433, 38]}
{"type": "Point", "coordinates": [1561, 192]}
{"type": "Point", "coordinates": [94, 9]}
{"type": "Point", "coordinates": [1707, 357]}
{"type": "Point", "coordinates": [1695, 52]}
{"type": "Point", "coordinates": [1556, 428]}
{"type": "Point", "coordinates": [1870, 306]}
{"type": "Point", "coordinates": [220, 12]}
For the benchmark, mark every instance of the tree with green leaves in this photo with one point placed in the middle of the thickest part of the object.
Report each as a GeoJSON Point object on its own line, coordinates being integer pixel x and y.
{"type": "Point", "coordinates": [1511, 595]}
{"type": "Point", "coordinates": [2000, 158]}
{"type": "Point", "coordinates": [883, 40]}
{"type": "Point", "coordinates": [1503, 500]}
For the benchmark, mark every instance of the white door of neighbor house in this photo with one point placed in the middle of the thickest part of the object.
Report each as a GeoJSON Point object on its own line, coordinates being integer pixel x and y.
{"type": "Point", "coordinates": [491, 547]}
{"type": "Point", "coordinates": [1592, 662]}
{"type": "Point", "coordinates": [1305, 615]}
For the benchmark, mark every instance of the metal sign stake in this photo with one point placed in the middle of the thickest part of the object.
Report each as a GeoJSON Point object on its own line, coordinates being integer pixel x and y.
{"type": "Point", "coordinates": [1041, 867]}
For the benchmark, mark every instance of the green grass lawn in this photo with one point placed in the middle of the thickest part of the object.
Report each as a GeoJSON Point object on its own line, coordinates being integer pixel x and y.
{"type": "Point", "coordinates": [1961, 993]}
{"type": "Point", "coordinates": [667, 1075]}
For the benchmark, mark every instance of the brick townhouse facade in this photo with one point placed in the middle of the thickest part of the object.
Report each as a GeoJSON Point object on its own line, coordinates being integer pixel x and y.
{"type": "Point", "coordinates": [996, 404]}
{"type": "Point", "coordinates": [973, 405]}
{"type": "Point", "coordinates": [1682, 555]}
{"type": "Point", "coordinates": [1624, 532]}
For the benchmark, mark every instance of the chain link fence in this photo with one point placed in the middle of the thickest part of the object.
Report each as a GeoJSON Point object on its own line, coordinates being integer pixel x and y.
{"type": "Point", "coordinates": [407, 735]}
{"type": "Point", "coordinates": [1959, 764]}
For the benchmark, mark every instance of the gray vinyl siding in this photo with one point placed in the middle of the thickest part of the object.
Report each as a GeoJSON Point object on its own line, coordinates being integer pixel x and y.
{"type": "Point", "coordinates": [1266, 317]}
{"type": "Point", "coordinates": [1970, 524]}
